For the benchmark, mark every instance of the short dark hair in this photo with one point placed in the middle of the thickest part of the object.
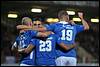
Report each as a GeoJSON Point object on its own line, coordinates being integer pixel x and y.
{"type": "Point", "coordinates": [38, 19]}
{"type": "Point", "coordinates": [61, 13]}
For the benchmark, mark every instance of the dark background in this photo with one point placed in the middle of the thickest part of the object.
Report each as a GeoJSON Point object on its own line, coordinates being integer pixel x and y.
{"type": "Point", "coordinates": [88, 40]}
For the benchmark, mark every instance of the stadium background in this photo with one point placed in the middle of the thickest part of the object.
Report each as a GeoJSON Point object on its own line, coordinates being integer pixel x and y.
{"type": "Point", "coordinates": [88, 49]}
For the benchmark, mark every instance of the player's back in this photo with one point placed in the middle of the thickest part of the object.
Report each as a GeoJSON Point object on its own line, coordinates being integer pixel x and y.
{"type": "Point", "coordinates": [45, 51]}
{"type": "Point", "coordinates": [66, 31]}
{"type": "Point", "coordinates": [67, 35]}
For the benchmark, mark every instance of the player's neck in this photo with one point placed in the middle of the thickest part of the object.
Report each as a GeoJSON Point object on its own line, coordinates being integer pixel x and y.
{"type": "Point", "coordinates": [63, 22]}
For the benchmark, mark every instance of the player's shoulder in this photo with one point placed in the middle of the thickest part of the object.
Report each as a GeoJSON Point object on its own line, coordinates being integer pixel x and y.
{"type": "Point", "coordinates": [78, 25]}
{"type": "Point", "coordinates": [33, 39]}
{"type": "Point", "coordinates": [46, 25]}
{"type": "Point", "coordinates": [54, 35]}
{"type": "Point", "coordinates": [55, 23]}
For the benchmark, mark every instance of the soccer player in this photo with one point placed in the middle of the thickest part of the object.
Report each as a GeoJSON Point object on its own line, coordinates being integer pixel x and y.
{"type": "Point", "coordinates": [23, 40]}
{"type": "Point", "coordinates": [67, 32]}
{"type": "Point", "coordinates": [46, 49]}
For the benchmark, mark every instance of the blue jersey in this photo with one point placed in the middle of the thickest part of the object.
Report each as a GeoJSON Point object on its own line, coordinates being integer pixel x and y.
{"type": "Point", "coordinates": [23, 41]}
{"type": "Point", "coordinates": [45, 50]}
{"type": "Point", "coordinates": [67, 33]}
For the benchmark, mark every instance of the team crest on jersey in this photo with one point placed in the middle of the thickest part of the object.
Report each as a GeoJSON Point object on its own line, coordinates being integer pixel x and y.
{"type": "Point", "coordinates": [23, 37]}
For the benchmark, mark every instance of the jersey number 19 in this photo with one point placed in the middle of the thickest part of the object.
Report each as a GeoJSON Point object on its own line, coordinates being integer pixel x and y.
{"type": "Point", "coordinates": [67, 35]}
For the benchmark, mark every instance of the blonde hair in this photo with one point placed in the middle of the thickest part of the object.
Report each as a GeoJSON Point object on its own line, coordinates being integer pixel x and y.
{"type": "Point", "coordinates": [26, 19]}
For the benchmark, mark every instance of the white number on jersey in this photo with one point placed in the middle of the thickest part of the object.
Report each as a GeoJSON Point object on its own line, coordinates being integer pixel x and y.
{"type": "Point", "coordinates": [45, 46]}
{"type": "Point", "coordinates": [21, 42]}
{"type": "Point", "coordinates": [67, 35]}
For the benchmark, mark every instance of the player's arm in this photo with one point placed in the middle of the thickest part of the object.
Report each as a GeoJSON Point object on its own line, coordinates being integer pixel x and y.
{"type": "Point", "coordinates": [67, 47]}
{"type": "Point", "coordinates": [26, 50]}
{"type": "Point", "coordinates": [46, 27]}
{"type": "Point", "coordinates": [85, 24]}
{"type": "Point", "coordinates": [72, 22]}
{"type": "Point", "coordinates": [30, 27]}
{"type": "Point", "coordinates": [29, 47]}
{"type": "Point", "coordinates": [23, 27]}
{"type": "Point", "coordinates": [44, 34]}
{"type": "Point", "coordinates": [40, 28]}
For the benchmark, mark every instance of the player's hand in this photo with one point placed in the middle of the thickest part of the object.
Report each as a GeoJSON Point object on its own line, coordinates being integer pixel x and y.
{"type": "Point", "coordinates": [49, 32]}
{"type": "Point", "coordinates": [19, 26]}
{"type": "Point", "coordinates": [72, 22]}
{"type": "Point", "coordinates": [21, 50]}
{"type": "Point", "coordinates": [21, 31]}
{"type": "Point", "coordinates": [80, 14]}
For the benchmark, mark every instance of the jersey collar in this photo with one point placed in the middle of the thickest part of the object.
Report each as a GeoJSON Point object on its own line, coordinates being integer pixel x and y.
{"type": "Point", "coordinates": [63, 22]}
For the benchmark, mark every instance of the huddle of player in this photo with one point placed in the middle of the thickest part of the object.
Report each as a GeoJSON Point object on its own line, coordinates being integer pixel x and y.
{"type": "Point", "coordinates": [48, 44]}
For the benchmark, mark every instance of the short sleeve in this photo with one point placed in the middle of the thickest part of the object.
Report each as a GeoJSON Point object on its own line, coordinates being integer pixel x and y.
{"type": "Point", "coordinates": [79, 28]}
{"type": "Point", "coordinates": [33, 42]}
{"type": "Point", "coordinates": [33, 33]}
{"type": "Point", "coordinates": [50, 27]}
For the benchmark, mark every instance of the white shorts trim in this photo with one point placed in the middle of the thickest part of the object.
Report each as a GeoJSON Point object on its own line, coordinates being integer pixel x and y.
{"type": "Point", "coordinates": [66, 61]}
{"type": "Point", "coordinates": [25, 65]}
